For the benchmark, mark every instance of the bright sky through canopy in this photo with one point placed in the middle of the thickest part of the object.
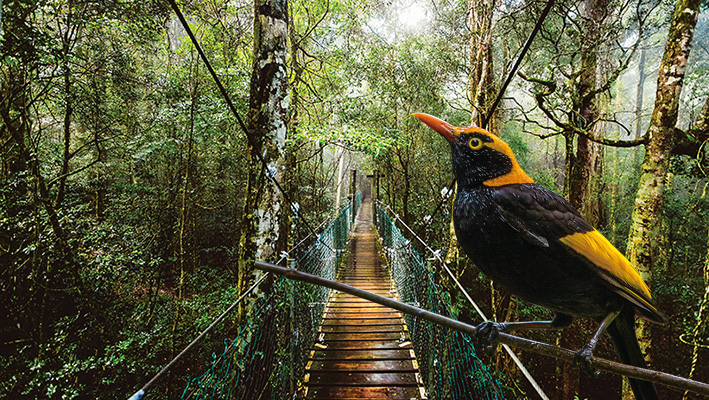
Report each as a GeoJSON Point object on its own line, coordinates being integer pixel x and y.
{"type": "Point", "coordinates": [412, 15]}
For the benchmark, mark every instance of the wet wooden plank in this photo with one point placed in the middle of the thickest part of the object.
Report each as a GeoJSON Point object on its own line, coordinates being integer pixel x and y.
{"type": "Point", "coordinates": [381, 292]}
{"type": "Point", "coordinates": [362, 354]}
{"type": "Point", "coordinates": [358, 300]}
{"type": "Point", "coordinates": [360, 321]}
{"type": "Point", "coordinates": [375, 315]}
{"type": "Point", "coordinates": [367, 344]}
{"type": "Point", "coordinates": [355, 392]}
{"type": "Point", "coordinates": [362, 328]}
{"type": "Point", "coordinates": [363, 366]}
{"type": "Point", "coordinates": [359, 308]}
{"type": "Point", "coordinates": [349, 378]}
{"type": "Point", "coordinates": [362, 336]}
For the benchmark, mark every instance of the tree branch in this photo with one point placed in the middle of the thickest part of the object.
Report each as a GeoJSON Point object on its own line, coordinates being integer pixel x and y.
{"type": "Point", "coordinates": [550, 86]}
{"type": "Point", "coordinates": [514, 341]}
{"type": "Point", "coordinates": [689, 142]}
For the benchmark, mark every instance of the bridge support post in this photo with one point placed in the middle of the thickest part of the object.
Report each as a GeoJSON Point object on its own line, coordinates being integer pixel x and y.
{"type": "Point", "coordinates": [375, 192]}
{"type": "Point", "coordinates": [353, 195]}
{"type": "Point", "coordinates": [292, 344]}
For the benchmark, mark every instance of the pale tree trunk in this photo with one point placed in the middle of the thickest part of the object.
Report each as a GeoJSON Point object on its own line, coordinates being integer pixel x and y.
{"type": "Point", "coordinates": [268, 106]}
{"type": "Point", "coordinates": [340, 178]}
{"type": "Point", "coordinates": [639, 93]}
{"type": "Point", "coordinates": [646, 237]}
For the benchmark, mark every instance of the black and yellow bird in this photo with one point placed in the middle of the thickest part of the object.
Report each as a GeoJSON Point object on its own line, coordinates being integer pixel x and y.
{"type": "Point", "coordinates": [535, 244]}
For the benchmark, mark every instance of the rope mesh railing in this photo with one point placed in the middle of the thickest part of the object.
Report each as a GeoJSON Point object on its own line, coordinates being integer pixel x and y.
{"type": "Point", "coordinates": [267, 358]}
{"type": "Point", "coordinates": [447, 359]}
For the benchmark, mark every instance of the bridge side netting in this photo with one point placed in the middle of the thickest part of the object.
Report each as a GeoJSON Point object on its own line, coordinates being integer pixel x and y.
{"type": "Point", "coordinates": [267, 357]}
{"type": "Point", "coordinates": [447, 359]}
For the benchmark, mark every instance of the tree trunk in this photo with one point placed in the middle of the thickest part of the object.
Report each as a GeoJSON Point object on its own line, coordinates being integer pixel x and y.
{"type": "Point", "coordinates": [68, 114]}
{"type": "Point", "coordinates": [639, 93]}
{"type": "Point", "coordinates": [340, 177]}
{"type": "Point", "coordinates": [700, 331]}
{"type": "Point", "coordinates": [481, 79]}
{"type": "Point", "coordinates": [268, 106]}
{"type": "Point", "coordinates": [646, 236]}
{"type": "Point", "coordinates": [587, 165]}
{"type": "Point", "coordinates": [184, 206]}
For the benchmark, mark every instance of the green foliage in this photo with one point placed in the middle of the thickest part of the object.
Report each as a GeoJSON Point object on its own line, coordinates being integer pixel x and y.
{"type": "Point", "coordinates": [149, 206]}
{"type": "Point", "coordinates": [365, 140]}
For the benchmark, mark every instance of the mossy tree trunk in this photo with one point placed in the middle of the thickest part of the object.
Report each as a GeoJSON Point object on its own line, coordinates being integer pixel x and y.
{"type": "Point", "coordinates": [587, 164]}
{"type": "Point", "coordinates": [482, 90]}
{"type": "Point", "coordinates": [699, 333]}
{"type": "Point", "coordinates": [268, 106]}
{"type": "Point", "coordinates": [646, 237]}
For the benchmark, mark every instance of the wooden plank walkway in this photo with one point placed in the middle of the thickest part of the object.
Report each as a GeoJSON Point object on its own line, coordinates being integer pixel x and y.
{"type": "Point", "coordinates": [364, 350]}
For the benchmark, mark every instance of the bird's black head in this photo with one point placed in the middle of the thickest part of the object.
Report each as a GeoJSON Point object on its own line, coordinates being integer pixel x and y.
{"type": "Point", "coordinates": [479, 157]}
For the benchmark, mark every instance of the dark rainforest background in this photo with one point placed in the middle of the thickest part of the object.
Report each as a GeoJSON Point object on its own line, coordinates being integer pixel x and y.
{"type": "Point", "coordinates": [128, 191]}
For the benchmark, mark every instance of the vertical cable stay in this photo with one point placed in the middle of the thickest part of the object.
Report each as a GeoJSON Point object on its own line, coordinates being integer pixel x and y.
{"type": "Point", "coordinates": [507, 348]}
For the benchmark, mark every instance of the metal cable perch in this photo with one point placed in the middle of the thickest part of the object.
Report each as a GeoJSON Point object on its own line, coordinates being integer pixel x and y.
{"type": "Point", "coordinates": [600, 364]}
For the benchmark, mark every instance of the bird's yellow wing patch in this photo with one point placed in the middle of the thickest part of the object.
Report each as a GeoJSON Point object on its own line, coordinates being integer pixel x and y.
{"type": "Point", "coordinates": [597, 249]}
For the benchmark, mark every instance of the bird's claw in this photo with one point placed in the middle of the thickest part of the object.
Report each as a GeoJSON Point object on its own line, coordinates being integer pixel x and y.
{"type": "Point", "coordinates": [582, 360]}
{"type": "Point", "coordinates": [488, 332]}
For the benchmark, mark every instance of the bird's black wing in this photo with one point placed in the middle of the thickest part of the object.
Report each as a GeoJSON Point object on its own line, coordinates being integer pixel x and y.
{"type": "Point", "coordinates": [537, 212]}
{"type": "Point", "coordinates": [544, 217]}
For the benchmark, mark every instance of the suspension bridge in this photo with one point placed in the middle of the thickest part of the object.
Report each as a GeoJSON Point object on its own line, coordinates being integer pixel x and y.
{"type": "Point", "coordinates": [307, 341]}
{"type": "Point", "coordinates": [304, 340]}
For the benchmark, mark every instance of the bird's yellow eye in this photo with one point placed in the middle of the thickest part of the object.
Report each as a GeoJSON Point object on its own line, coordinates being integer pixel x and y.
{"type": "Point", "coordinates": [475, 143]}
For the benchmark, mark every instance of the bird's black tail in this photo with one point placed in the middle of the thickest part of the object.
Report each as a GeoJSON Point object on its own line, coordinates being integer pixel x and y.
{"type": "Point", "coordinates": [622, 333]}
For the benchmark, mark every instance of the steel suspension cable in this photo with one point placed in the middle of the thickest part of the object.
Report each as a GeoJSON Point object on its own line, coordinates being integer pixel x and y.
{"type": "Point", "coordinates": [155, 379]}
{"type": "Point", "coordinates": [140, 393]}
{"type": "Point", "coordinates": [507, 348]}
{"type": "Point", "coordinates": [512, 73]}
{"type": "Point", "coordinates": [249, 137]}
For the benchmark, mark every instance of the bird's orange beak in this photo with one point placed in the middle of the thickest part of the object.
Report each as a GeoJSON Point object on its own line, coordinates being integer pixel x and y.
{"type": "Point", "coordinates": [438, 125]}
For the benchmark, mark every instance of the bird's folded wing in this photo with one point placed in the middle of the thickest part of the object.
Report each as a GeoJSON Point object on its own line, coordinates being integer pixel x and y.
{"type": "Point", "coordinates": [543, 217]}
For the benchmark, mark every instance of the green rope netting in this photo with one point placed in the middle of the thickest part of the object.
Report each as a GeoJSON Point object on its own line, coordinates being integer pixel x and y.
{"type": "Point", "coordinates": [449, 365]}
{"type": "Point", "coordinates": [267, 358]}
